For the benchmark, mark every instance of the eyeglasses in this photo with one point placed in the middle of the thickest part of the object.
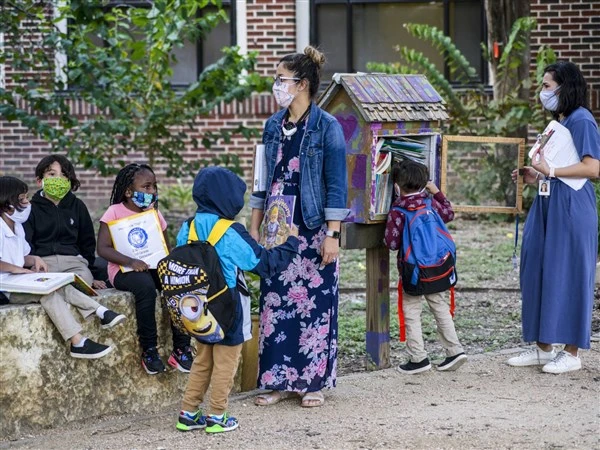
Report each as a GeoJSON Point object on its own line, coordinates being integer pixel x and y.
{"type": "Point", "coordinates": [279, 79]}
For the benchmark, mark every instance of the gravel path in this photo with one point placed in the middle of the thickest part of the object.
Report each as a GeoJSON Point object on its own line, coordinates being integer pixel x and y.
{"type": "Point", "coordinates": [484, 405]}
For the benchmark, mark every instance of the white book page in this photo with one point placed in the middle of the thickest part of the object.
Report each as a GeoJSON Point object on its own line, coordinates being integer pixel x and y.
{"type": "Point", "coordinates": [559, 151]}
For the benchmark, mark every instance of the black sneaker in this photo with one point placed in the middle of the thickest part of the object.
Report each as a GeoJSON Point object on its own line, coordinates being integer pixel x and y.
{"type": "Point", "coordinates": [182, 359]}
{"type": "Point", "coordinates": [189, 422]}
{"type": "Point", "coordinates": [412, 368]}
{"type": "Point", "coordinates": [452, 362]}
{"type": "Point", "coordinates": [111, 319]}
{"type": "Point", "coordinates": [90, 350]}
{"type": "Point", "coordinates": [151, 362]}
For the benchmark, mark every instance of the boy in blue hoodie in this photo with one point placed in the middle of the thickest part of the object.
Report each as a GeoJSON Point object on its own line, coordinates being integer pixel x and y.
{"type": "Point", "coordinates": [219, 194]}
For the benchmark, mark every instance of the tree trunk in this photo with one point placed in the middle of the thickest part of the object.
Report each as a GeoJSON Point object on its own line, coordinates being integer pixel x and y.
{"type": "Point", "coordinates": [501, 15]}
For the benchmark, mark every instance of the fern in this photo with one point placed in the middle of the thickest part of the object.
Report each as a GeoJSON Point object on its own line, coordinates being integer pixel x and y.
{"type": "Point", "coordinates": [517, 43]}
{"type": "Point", "coordinates": [458, 64]}
{"type": "Point", "coordinates": [419, 61]}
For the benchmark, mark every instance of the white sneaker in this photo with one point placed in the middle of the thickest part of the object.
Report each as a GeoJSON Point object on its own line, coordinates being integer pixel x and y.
{"type": "Point", "coordinates": [534, 357]}
{"type": "Point", "coordinates": [564, 362]}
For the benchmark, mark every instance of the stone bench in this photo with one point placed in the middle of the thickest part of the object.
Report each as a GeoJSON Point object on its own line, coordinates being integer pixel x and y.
{"type": "Point", "coordinates": [42, 386]}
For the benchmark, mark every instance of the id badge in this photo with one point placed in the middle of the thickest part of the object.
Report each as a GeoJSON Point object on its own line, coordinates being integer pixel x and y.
{"type": "Point", "coordinates": [544, 188]}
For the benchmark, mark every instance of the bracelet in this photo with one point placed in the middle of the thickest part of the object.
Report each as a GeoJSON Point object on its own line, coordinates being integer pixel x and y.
{"type": "Point", "coordinates": [551, 173]}
{"type": "Point", "coordinates": [537, 175]}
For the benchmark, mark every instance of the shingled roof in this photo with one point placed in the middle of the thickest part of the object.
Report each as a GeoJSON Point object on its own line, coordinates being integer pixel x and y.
{"type": "Point", "coordinates": [389, 98]}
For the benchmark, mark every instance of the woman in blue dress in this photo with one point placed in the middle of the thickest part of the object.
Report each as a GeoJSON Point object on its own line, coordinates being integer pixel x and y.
{"type": "Point", "coordinates": [560, 239]}
{"type": "Point", "coordinates": [306, 165]}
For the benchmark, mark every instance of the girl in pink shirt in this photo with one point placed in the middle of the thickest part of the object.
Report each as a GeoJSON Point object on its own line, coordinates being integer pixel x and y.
{"type": "Point", "coordinates": [135, 191]}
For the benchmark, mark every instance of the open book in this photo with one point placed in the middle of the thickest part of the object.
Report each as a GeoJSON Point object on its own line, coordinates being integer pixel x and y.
{"type": "Point", "coordinates": [42, 283]}
{"type": "Point", "coordinates": [559, 151]}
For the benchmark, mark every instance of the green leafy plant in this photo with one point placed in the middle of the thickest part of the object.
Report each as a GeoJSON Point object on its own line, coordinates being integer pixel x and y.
{"type": "Point", "coordinates": [119, 62]}
{"type": "Point", "coordinates": [253, 282]}
{"type": "Point", "coordinates": [472, 109]}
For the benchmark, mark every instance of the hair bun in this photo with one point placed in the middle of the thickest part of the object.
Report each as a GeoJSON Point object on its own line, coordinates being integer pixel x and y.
{"type": "Point", "coordinates": [315, 55]}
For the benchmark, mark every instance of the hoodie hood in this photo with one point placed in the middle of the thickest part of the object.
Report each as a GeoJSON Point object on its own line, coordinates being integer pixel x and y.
{"type": "Point", "coordinates": [219, 191]}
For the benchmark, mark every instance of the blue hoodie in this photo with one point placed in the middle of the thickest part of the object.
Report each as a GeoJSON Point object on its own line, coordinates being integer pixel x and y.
{"type": "Point", "coordinates": [219, 193]}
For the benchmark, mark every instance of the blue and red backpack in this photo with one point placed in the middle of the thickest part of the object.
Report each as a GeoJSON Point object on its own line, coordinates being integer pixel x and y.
{"type": "Point", "coordinates": [428, 257]}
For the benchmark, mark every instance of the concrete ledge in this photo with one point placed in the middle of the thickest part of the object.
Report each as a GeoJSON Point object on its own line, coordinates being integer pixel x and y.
{"type": "Point", "coordinates": [42, 386]}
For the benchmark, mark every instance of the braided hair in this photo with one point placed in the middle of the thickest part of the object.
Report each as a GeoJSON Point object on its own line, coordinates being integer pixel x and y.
{"type": "Point", "coordinates": [124, 181]}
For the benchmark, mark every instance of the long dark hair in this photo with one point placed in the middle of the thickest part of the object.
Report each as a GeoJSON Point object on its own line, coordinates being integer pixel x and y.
{"type": "Point", "coordinates": [10, 189]}
{"type": "Point", "coordinates": [124, 181]}
{"type": "Point", "coordinates": [306, 66]}
{"type": "Point", "coordinates": [572, 88]}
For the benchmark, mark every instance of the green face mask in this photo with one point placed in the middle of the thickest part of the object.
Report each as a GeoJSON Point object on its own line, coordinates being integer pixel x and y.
{"type": "Point", "coordinates": [56, 187]}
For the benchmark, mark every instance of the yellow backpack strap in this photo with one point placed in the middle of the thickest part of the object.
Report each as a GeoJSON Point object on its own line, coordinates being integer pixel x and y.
{"type": "Point", "coordinates": [192, 234]}
{"type": "Point", "coordinates": [218, 231]}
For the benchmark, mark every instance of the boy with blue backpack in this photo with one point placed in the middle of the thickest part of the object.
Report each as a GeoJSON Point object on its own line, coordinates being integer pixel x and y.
{"type": "Point", "coordinates": [426, 264]}
{"type": "Point", "coordinates": [203, 290]}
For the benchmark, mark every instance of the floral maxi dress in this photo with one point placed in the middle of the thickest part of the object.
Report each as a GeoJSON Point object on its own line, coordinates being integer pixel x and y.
{"type": "Point", "coordinates": [298, 307]}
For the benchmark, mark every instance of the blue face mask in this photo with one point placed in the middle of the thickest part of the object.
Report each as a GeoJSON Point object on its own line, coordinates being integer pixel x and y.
{"type": "Point", "coordinates": [143, 200]}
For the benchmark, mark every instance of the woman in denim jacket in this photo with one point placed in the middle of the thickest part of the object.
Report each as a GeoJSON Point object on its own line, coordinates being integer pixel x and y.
{"type": "Point", "coordinates": [306, 188]}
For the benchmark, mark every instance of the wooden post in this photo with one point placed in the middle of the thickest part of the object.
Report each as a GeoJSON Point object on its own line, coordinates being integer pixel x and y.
{"type": "Point", "coordinates": [378, 308]}
{"type": "Point", "coordinates": [355, 236]}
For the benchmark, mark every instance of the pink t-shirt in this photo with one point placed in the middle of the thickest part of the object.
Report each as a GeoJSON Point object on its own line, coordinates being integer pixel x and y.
{"type": "Point", "coordinates": [120, 211]}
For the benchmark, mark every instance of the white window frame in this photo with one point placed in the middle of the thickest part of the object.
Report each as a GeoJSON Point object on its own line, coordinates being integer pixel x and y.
{"type": "Point", "coordinates": [302, 25]}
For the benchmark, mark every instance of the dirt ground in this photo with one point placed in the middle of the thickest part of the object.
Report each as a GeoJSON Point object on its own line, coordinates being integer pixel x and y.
{"type": "Point", "coordinates": [484, 405]}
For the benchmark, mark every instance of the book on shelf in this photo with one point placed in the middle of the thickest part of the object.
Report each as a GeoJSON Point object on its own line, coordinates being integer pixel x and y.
{"type": "Point", "coordinates": [559, 151]}
{"type": "Point", "coordinates": [42, 283]}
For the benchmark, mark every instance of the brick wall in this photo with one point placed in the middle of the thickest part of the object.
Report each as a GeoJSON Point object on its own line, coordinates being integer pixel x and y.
{"type": "Point", "coordinates": [572, 29]}
{"type": "Point", "coordinates": [271, 32]}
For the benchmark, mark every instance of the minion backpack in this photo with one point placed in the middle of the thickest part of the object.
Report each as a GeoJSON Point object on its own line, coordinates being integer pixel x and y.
{"type": "Point", "coordinates": [193, 286]}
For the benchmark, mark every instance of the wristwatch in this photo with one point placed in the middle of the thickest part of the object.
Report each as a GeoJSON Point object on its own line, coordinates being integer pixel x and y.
{"type": "Point", "coordinates": [333, 234]}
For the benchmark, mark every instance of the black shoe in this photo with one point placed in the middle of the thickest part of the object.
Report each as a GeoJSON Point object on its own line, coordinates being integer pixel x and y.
{"type": "Point", "coordinates": [412, 368]}
{"type": "Point", "coordinates": [182, 359]}
{"type": "Point", "coordinates": [111, 319]}
{"type": "Point", "coordinates": [90, 350]}
{"type": "Point", "coordinates": [452, 362]}
{"type": "Point", "coordinates": [151, 362]}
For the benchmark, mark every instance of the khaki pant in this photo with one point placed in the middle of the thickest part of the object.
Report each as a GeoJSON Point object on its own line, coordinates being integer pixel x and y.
{"type": "Point", "coordinates": [214, 365]}
{"type": "Point", "coordinates": [70, 264]}
{"type": "Point", "coordinates": [55, 305]}
{"type": "Point", "coordinates": [411, 306]}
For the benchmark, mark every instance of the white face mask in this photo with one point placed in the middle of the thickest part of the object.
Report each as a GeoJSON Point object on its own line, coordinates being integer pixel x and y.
{"type": "Point", "coordinates": [20, 216]}
{"type": "Point", "coordinates": [549, 99]}
{"type": "Point", "coordinates": [282, 96]}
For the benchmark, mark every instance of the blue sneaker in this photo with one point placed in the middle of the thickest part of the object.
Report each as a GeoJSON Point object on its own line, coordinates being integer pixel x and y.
{"type": "Point", "coordinates": [188, 421]}
{"type": "Point", "coordinates": [216, 424]}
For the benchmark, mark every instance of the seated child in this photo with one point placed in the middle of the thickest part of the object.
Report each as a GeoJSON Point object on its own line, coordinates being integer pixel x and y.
{"type": "Point", "coordinates": [59, 228]}
{"type": "Point", "coordinates": [219, 193]}
{"type": "Point", "coordinates": [134, 191]}
{"type": "Point", "coordinates": [15, 258]}
{"type": "Point", "coordinates": [410, 182]}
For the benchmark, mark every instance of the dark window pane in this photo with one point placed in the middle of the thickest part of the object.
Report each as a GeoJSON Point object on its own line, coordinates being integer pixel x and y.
{"type": "Point", "coordinates": [219, 37]}
{"type": "Point", "coordinates": [185, 71]}
{"type": "Point", "coordinates": [331, 26]}
{"type": "Point", "coordinates": [377, 29]}
{"type": "Point", "coordinates": [466, 30]}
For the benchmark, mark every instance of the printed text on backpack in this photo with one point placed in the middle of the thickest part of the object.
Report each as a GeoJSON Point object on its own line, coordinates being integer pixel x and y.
{"type": "Point", "coordinates": [194, 289]}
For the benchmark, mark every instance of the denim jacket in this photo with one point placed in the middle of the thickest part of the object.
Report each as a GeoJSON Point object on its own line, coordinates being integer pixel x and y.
{"type": "Point", "coordinates": [323, 181]}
